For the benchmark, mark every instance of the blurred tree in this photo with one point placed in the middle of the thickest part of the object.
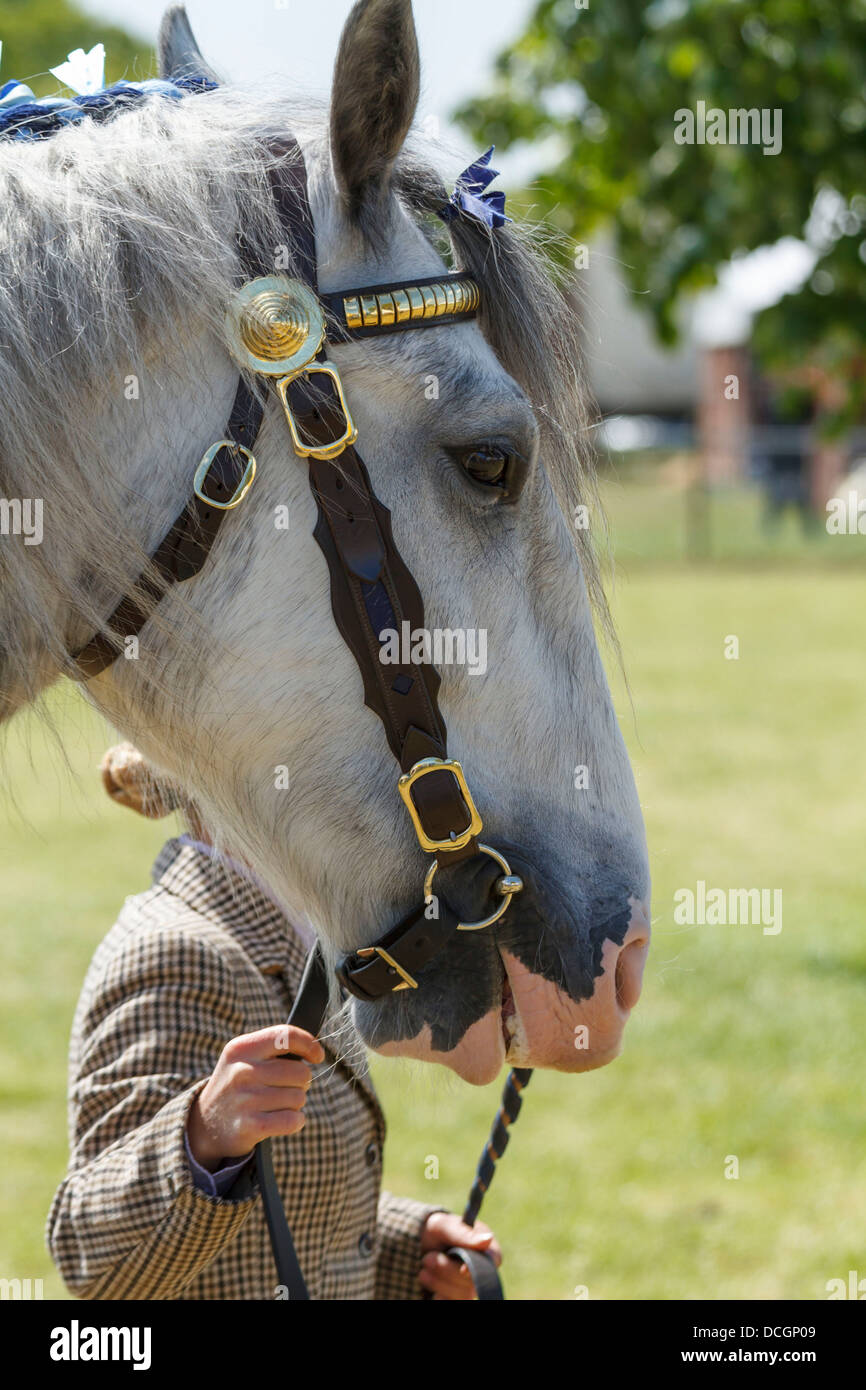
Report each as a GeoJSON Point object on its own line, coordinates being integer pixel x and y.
{"type": "Point", "coordinates": [604, 79]}
{"type": "Point", "coordinates": [38, 34]}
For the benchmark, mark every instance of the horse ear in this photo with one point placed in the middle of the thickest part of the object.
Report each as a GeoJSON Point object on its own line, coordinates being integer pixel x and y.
{"type": "Point", "coordinates": [178, 51]}
{"type": "Point", "coordinates": [374, 97]}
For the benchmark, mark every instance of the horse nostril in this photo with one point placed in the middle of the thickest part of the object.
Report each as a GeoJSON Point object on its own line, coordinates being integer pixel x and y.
{"type": "Point", "coordinates": [629, 972]}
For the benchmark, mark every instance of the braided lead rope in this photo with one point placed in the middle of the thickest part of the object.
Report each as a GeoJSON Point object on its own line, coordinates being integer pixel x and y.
{"type": "Point", "coordinates": [480, 1263]}
{"type": "Point", "coordinates": [509, 1109]}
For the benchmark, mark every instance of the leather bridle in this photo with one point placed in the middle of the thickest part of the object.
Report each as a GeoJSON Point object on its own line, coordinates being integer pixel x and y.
{"type": "Point", "coordinates": [278, 328]}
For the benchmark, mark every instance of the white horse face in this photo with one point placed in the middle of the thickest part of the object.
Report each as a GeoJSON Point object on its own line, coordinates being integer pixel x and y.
{"type": "Point", "coordinates": [279, 689]}
{"type": "Point", "coordinates": [259, 710]}
{"type": "Point", "coordinates": [553, 983]}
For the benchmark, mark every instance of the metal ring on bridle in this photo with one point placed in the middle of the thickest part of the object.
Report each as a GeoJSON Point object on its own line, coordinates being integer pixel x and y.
{"type": "Point", "coordinates": [504, 887]}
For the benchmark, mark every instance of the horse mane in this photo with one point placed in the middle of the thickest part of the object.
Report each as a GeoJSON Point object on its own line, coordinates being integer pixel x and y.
{"type": "Point", "coordinates": [115, 234]}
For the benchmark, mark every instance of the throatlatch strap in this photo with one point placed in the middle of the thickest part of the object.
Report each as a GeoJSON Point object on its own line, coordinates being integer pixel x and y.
{"type": "Point", "coordinates": [183, 551]}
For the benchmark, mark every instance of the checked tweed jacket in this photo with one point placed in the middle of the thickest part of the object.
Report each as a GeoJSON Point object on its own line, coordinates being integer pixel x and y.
{"type": "Point", "coordinates": [200, 958]}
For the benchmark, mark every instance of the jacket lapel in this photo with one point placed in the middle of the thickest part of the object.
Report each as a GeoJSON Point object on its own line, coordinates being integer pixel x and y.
{"type": "Point", "coordinates": [233, 896]}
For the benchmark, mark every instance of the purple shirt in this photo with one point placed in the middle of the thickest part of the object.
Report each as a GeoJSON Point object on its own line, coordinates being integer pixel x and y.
{"type": "Point", "coordinates": [215, 1184]}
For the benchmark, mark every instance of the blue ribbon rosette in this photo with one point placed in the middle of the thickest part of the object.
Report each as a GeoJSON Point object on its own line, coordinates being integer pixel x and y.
{"type": "Point", "coordinates": [471, 198]}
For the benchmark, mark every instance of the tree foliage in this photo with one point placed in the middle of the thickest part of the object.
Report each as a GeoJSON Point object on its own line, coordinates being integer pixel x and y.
{"type": "Point", "coordinates": [605, 81]}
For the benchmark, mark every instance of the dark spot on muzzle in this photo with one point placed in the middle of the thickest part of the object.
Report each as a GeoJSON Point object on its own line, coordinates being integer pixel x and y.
{"type": "Point", "coordinates": [562, 939]}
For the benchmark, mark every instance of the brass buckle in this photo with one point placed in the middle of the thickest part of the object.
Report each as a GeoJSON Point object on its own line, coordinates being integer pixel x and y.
{"type": "Point", "coordinates": [243, 486]}
{"type": "Point", "coordinates": [318, 451]}
{"type": "Point", "coordinates": [407, 782]}
{"type": "Point", "coordinates": [408, 982]}
{"type": "Point", "coordinates": [504, 888]}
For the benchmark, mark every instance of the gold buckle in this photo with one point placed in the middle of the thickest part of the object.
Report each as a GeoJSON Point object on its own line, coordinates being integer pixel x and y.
{"type": "Point", "coordinates": [407, 782]}
{"type": "Point", "coordinates": [243, 486]}
{"type": "Point", "coordinates": [408, 982]}
{"type": "Point", "coordinates": [318, 451]}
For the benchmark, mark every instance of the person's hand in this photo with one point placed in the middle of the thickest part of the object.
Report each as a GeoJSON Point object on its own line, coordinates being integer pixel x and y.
{"type": "Point", "coordinates": [444, 1278]}
{"type": "Point", "coordinates": [254, 1093]}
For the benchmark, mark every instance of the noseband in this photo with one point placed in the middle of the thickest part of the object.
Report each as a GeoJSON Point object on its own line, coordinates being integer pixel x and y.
{"type": "Point", "coordinates": [278, 329]}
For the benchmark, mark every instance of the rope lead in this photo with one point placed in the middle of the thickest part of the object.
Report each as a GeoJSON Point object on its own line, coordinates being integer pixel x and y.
{"type": "Point", "coordinates": [509, 1109]}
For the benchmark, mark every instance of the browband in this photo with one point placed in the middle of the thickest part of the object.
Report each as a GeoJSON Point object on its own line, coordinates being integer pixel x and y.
{"type": "Point", "coordinates": [380, 309]}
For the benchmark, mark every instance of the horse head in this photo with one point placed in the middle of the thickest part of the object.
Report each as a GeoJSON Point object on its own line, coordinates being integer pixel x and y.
{"type": "Point", "coordinates": [119, 246]}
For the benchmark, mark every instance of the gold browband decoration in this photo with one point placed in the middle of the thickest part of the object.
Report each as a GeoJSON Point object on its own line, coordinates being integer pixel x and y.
{"type": "Point", "coordinates": [276, 328]}
{"type": "Point", "coordinates": [416, 302]}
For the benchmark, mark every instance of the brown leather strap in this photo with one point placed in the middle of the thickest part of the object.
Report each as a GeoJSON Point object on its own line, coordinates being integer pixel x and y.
{"type": "Point", "coordinates": [372, 591]}
{"type": "Point", "coordinates": [411, 943]}
{"type": "Point", "coordinates": [371, 588]}
{"type": "Point", "coordinates": [183, 551]}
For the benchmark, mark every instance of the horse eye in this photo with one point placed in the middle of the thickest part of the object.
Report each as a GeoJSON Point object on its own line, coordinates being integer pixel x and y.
{"type": "Point", "coordinates": [487, 465]}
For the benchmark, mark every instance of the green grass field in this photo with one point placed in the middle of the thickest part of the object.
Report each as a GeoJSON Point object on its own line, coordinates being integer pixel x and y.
{"type": "Point", "coordinates": [745, 1045]}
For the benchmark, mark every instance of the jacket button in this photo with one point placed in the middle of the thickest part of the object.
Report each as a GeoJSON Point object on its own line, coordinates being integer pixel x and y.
{"type": "Point", "coordinates": [366, 1245]}
{"type": "Point", "coordinates": [371, 1154]}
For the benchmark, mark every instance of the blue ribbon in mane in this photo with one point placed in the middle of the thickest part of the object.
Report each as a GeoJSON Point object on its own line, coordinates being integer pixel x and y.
{"type": "Point", "coordinates": [26, 117]}
{"type": "Point", "coordinates": [471, 199]}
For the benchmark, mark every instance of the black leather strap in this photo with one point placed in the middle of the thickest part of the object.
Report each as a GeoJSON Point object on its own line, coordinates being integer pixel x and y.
{"type": "Point", "coordinates": [485, 1275]}
{"type": "Point", "coordinates": [308, 1012]}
